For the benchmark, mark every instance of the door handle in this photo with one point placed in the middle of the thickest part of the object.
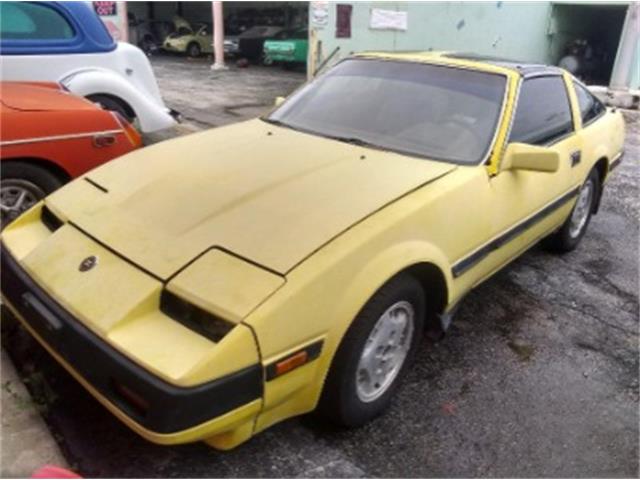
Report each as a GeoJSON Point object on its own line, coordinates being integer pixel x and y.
{"type": "Point", "coordinates": [575, 158]}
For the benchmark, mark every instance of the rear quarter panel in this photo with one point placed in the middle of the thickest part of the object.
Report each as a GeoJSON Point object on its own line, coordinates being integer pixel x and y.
{"type": "Point", "coordinates": [604, 138]}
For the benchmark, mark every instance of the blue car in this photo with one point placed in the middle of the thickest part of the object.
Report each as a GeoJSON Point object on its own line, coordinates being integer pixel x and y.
{"type": "Point", "coordinates": [66, 42]}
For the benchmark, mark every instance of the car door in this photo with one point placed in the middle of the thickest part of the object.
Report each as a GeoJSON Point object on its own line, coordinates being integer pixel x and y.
{"type": "Point", "coordinates": [529, 204]}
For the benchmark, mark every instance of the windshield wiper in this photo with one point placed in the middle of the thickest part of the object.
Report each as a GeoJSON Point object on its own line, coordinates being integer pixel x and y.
{"type": "Point", "coordinates": [280, 123]}
{"type": "Point", "coordinates": [350, 140]}
{"type": "Point", "coordinates": [353, 141]}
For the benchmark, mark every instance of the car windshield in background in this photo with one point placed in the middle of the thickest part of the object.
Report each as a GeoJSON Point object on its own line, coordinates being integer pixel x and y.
{"type": "Point", "coordinates": [439, 112]}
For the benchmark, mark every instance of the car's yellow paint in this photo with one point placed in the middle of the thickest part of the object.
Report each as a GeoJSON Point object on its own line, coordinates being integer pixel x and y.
{"type": "Point", "coordinates": [287, 235]}
{"type": "Point", "coordinates": [225, 285]}
{"type": "Point", "coordinates": [264, 179]}
{"type": "Point", "coordinates": [520, 156]}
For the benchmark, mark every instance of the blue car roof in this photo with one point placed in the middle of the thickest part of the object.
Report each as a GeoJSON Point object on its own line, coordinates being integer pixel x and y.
{"type": "Point", "coordinates": [89, 34]}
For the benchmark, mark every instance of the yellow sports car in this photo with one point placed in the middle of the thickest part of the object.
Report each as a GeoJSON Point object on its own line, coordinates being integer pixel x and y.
{"type": "Point", "coordinates": [208, 287]}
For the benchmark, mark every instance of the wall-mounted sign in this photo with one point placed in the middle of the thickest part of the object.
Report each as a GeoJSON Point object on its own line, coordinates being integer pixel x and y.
{"type": "Point", "coordinates": [105, 9]}
{"type": "Point", "coordinates": [319, 14]}
{"type": "Point", "coordinates": [387, 20]}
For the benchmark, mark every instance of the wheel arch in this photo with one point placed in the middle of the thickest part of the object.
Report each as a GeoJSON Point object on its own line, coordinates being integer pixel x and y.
{"type": "Point", "coordinates": [127, 107]}
{"type": "Point", "coordinates": [45, 163]}
{"type": "Point", "coordinates": [428, 269]}
{"type": "Point", "coordinates": [190, 44]}
{"type": "Point", "coordinates": [145, 101]}
{"type": "Point", "coordinates": [436, 290]}
{"type": "Point", "coordinates": [602, 167]}
{"type": "Point", "coordinates": [424, 261]}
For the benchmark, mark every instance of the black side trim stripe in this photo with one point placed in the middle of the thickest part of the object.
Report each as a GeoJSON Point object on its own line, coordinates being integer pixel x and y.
{"type": "Point", "coordinates": [467, 263]}
{"type": "Point", "coordinates": [313, 351]}
{"type": "Point", "coordinates": [616, 162]}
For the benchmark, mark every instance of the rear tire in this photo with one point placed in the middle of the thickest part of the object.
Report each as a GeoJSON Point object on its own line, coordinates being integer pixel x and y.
{"type": "Point", "coordinates": [22, 186]}
{"type": "Point", "coordinates": [573, 229]}
{"type": "Point", "coordinates": [383, 337]}
{"type": "Point", "coordinates": [113, 105]}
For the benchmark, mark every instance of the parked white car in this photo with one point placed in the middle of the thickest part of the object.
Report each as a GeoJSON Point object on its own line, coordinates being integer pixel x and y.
{"type": "Point", "coordinates": [66, 42]}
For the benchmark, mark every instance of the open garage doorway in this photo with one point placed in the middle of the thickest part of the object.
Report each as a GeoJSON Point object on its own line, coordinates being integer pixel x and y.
{"type": "Point", "coordinates": [186, 28]}
{"type": "Point", "coordinates": [585, 38]}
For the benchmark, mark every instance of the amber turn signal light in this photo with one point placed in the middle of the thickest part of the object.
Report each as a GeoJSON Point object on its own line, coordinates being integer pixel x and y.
{"type": "Point", "coordinates": [292, 362]}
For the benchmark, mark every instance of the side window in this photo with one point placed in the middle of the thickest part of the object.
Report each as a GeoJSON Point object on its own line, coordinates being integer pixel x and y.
{"type": "Point", "coordinates": [590, 106]}
{"type": "Point", "coordinates": [543, 113]}
{"type": "Point", "coordinates": [30, 21]}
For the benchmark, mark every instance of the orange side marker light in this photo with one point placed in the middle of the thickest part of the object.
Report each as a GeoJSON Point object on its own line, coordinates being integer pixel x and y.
{"type": "Point", "coordinates": [292, 362]}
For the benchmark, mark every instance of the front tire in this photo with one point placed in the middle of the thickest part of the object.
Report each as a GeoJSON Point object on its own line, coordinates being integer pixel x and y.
{"type": "Point", "coordinates": [375, 353]}
{"type": "Point", "coordinates": [573, 229]}
{"type": "Point", "coordinates": [193, 50]}
{"type": "Point", "coordinates": [21, 187]}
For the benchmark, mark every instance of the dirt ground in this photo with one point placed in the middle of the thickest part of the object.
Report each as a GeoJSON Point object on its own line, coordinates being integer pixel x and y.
{"type": "Point", "coordinates": [538, 375]}
{"type": "Point", "coordinates": [210, 98]}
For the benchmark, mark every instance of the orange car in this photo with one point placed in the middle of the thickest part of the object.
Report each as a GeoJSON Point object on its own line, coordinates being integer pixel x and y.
{"type": "Point", "coordinates": [49, 136]}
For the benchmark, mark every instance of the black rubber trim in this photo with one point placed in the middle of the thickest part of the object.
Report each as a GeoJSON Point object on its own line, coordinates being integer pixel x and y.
{"type": "Point", "coordinates": [168, 408]}
{"type": "Point", "coordinates": [193, 317]}
{"type": "Point", "coordinates": [49, 219]}
{"type": "Point", "coordinates": [468, 262]}
{"type": "Point", "coordinates": [616, 163]}
{"type": "Point", "coordinates": [313, 351]}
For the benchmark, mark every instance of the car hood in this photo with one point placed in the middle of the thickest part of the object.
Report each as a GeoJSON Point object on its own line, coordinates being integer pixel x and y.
{"type": "Point", "coordinates": [32, 97]}
{"type": "Point", "coordinates": [267, 194]}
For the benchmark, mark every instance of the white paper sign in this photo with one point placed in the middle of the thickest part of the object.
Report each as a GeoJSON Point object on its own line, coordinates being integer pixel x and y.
{"type": "Point", "coordinates": [388, 20]}
{"type": "Point", "coordinates": [319, 14]}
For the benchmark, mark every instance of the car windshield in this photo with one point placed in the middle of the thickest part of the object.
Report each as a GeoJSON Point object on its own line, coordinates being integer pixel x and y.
{"type": "Point", "coordinates": [438, 112]}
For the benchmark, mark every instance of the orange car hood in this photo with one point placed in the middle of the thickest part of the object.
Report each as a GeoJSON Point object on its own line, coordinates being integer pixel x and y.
{"type": "Point", "coordinates": [44, 97]}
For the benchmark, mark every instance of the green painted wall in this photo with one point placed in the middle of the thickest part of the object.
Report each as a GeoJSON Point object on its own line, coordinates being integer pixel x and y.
{"type": "Point", "coordinates": [635, 69]}
{"type": "Point", "coordinates": [505, 29]}
{"type": "Point", "coordinates": [527, 31]}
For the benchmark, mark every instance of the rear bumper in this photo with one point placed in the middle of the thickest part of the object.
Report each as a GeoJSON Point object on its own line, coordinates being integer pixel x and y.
{"type": "Point", "coordinates": [165, 413]}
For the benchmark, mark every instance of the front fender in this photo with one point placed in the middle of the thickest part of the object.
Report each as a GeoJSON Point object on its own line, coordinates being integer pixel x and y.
{"type": "Point", "coordinates": [151, 113]}
{"type": "Point", "coordinates": [385, 266]}
{"type": "Point", "coordinates": [321, 319]}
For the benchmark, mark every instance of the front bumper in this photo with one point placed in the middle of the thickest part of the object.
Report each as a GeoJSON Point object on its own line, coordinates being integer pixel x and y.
{"type": "Point", "coordinates": [164, 410]}
{"type": "Point", "coordinates": [176, 48]}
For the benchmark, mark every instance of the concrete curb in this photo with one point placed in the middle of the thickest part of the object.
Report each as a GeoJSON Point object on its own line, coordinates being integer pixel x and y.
{"type": "Point", "coordinates": [26, 442]}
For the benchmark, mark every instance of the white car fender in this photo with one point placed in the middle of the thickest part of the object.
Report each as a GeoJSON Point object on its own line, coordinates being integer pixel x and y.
{"type": "Point", "coordinates": [151, 113]}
